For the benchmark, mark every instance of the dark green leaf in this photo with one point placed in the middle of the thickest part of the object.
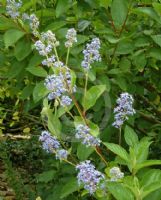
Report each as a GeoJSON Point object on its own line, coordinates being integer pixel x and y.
{"type": "Point", "coordinates": [119, 10]}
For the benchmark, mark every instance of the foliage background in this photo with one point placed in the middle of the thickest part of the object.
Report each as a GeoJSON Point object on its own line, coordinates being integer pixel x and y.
{"type": "Point", "coordinates": [131, 50]}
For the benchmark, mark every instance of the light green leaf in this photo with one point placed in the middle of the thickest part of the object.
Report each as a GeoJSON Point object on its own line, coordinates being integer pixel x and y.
{"type": "Point", "coordinates": [92, 95]}
{"type": "Point", "coordinates": [157, 7]}
{"type": "Point", "coordinates": [119, 10]}
{"type": "Point", "coordinates": [148, 163]}
{"type": "Point", "coordinates": [142, 149]}
{"type": "Point", "coordinates": [37, 71]}
{"type": "Point", "coordinates": [151, 188]}
{"type": "Point", "coordinates": [119, 191]}
{"type": "Point", "coordinates": [39, 91]}
{"type": "Point", "coordinates": [70, 187]}
{"type": "Point", "coordinates": [157, 39]}
{"type": "Point", "coordinates": [150, 176]}
{"type": "Point", "coordinates": [130, 136]}
{"type": "Point", "coordinates": [54, 123]}
{"type": "Point", "coordinates": [6, 23]}
{"type": "Point", "coordinates": [12, 36]}
{"type": "Point", "coordinates": [118, 150]}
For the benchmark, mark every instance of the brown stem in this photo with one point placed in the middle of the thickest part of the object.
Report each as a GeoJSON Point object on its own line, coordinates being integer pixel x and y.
{"type": "Point", "coordinates": [119, 35]}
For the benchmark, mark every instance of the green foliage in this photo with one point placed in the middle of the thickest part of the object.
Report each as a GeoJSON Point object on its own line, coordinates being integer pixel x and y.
{"type": "Point", "coordinates": [131, 58]}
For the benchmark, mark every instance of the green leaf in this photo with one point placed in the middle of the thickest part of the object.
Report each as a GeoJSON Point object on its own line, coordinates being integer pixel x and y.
{"type": "Point", "coordinates": [105, 3]}
{"type": "Point", "coordinates": [140, 61]}
{"type": "Point", "coordinates": [92, 95]}
{"type": "Point", "coordinates": [119, 10]}
{"type": "Point", "coordinates": [149, 12]}
{"type": "Point", "coordinates": [22, 49]}
{"type": "Point", "coordinates": [12, 36]}
{"type": "Point", "coordinates": [130, 136]}
{"type": "Point", "coordinates": [39, 91]}
{"type": "Point", "coordinates": [62, 7]}
{"type": "Point", "coordinates": [151, 188]}
{"type": "Point", "coordinates": [125, 47]}
{"type": "Point", "coordinates": [155, 53]}
{"type": "Point", "coordinates": [118, 150]}
{"type": "Point", "coordinates": [148, 163]}
{"type": "Point", "coordinates": [70, 187]}
{"type": "Point", "coordinates": [6, 23]}
{"type": "Point", "coordinates": [46, 176]}
{"type": "Point", "coordinates": [84, 152]}
{"type": "Point", "coordinates": [157, 39]}
{"type": "Point", "coordinates": [157, 7]}
{"type": "Point", "coordinates": [54, 124]}
{"type": "Point", "coordinates": [27, 91]}
{"type": "Point", "coordinates": [149, 177]}
{"type": "Point", "coordinates": [142, 149]}
{"type": "Point", "coordinates": [37, 71]}
{"type": "Point", "coordinates": [119, 191]}
{"type": "Point", "coordinates": [55, 25]}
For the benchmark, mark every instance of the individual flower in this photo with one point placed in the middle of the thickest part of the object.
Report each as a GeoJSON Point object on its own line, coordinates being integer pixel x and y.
{"type": "Point", "coordinates": [83, 133]}
{"type": "Point", "coordinates": [49, 143]}
{"type": "Point", "coordinates": [25, 16]}
{"type": "Point", "coordinates": [58, 64]}
{"type": "Point", "coordinates": [116, 174]}
{"type": "Point", "coordinates": [42, 48]}
{"type": "Point", "coordinates": [89, 176]}
{"type": "Point", "coordinates": [65, 101]}
{"type": "Point", "coordinates": [61, 154]}
{"type": "Point", "coordinates": [34, 24]}
{"type": "Point", "coordinates": [91, 53]}
{"type": "Point", "coordinates": [49, 38]}
{"type": "Point", "coordinates": [71, 37]}
{"type": "Point", "coordinates": [12, 8]}
{"type": "Point", "coordinates": [124, 109]}
{"type": "Point", "coordinates": [49, 61]}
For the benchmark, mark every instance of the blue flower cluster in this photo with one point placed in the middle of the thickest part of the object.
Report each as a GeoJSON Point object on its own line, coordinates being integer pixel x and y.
{"type": "Point", "coordinates": [58, 84]}
{"type": "Point", "coordinates": [12, 8]}
{"type": "Point", "coordinates": [91, 53]}
{"type": "Point", "coordinates": [89, 176]}
{"type": "Point", "coordinates": [50, 144]}
{"type": "Point", "coordinates": [116, 174]}
{"type": "Point", "coordinates": [58, 87]}
{"type": "Point", "coordinates": [71, 37]}
{"type": "Point", "coordinates": [123, 109]}
{"type": "Point", "coordinates": [83, 133]}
